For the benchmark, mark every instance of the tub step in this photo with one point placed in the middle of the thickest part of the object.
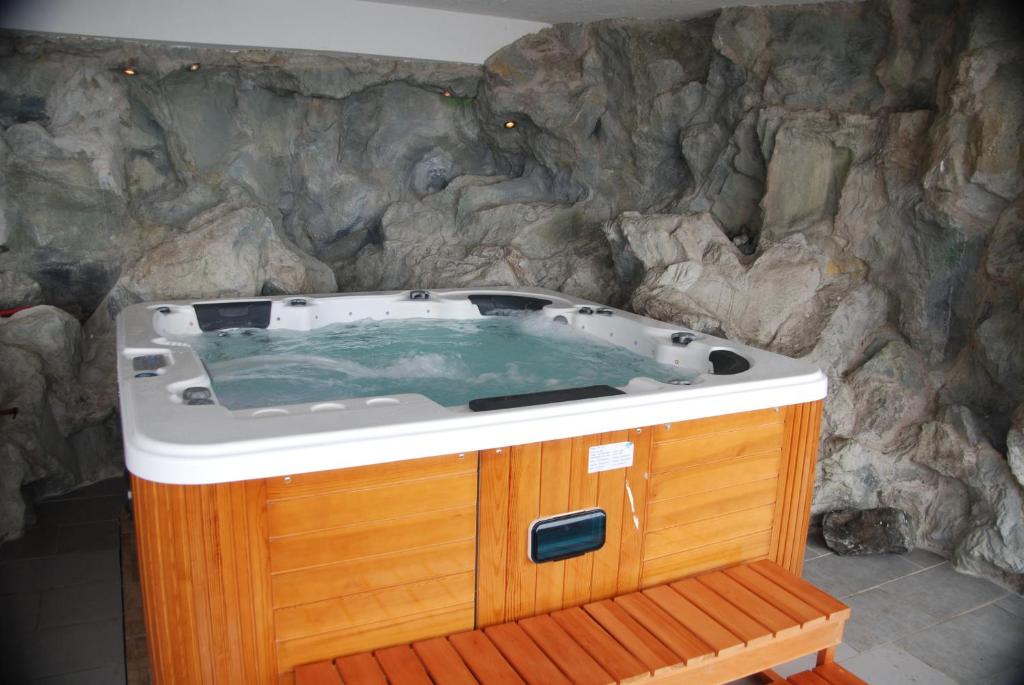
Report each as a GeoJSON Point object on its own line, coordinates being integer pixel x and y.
{"type": "Point", "coordinates": [711, 628]}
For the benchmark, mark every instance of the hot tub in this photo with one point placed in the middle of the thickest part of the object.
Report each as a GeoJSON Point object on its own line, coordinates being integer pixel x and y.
{"type": "Point", "coordinates": [282, 521]}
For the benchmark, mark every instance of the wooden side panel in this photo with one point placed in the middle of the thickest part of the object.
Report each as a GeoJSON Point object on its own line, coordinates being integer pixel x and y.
{"type": "Point", "coordinates": [521, 484]}
{"type": "Point", "coordinates": [205, 581]}
{"type": "Point", "coordinates": [796, 485]}
{"type": "Point", "coordinates": [711, 499]}
{"type": "Point", "coordinates": [362, 560]}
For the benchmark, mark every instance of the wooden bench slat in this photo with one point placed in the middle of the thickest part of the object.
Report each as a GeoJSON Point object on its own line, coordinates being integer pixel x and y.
{"type": "Point", "coordinates": [443, 663]}
{"type": "Point", "coordinates": [749, 603]}
{"type": "Point", "coordinates": [633, 636]}
{"type": "Point", "coordinates": [705, 628]}
{"type": "Point", "coordinates": [602, 647]}
{"type": "Point", "coordinates": [572, 659]}
{"type": "Point", "coordinates": [819, 599]}
{"type": "Point", "coordinates": [749, 631]}
{"type": "Point", "coordinates": [360, 668]}
{"type": "Point", "coordinates": [401, 666]}
{"type": "Point", "coordinates": [320, 673]}
{"type": "Point", "coordinates": [483, 658]}
{"type": "Point", "coordinates": [526, 657]}
{"type": "Point", "coordinates": [807, 678]}
{"type": "Point", "coordinates": [687, 646]}
{"type": "Point", "coordinates": [789, 604]}
{"type": "Point", "coordinates": [835, 674]}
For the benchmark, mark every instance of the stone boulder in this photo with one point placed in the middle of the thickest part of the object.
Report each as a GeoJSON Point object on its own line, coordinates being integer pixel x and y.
{"type": "Point", "coordinates": [892, 392]}
{"type": "Point", "coordinates": [856, 532]}
{"type": "Point", "coordinates": [1015, 445]}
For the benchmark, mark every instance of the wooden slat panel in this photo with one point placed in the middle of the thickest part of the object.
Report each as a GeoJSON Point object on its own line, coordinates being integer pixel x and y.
{"type": "Point", "coordinates": [443, 663]}
{"type": "Point", "coordinates": [599, 644]}
{"type": "Point", "coordinates": [820, 600]}
{"type": "Point", "coordinates": [707, 448]}
{"type": "Point", "coordinates": [336, 509]}
{"type": "Point", "coordinates": [687, 646]}
{"type": "Point", "coordinates": [350, 611]}
{"type": "Point", "coordinates": [611, 495]}
{"type": "Point", "coordinates": [717, 555]}
{"type": "Point", "coordinates": [700, 533]}
{"type": "Point", "coordinates": [205, 581]}
{"type": "Point", "coordinates": [306, 484]}
{"type": "Point", "coordinates": [402, 667]}
{"type": "Point", "coordinates": [796, 482]}
{"type": "Point", "coordinates": [572, 659]}
{"type": "Point", "coordinates": [523, 505]}
{"type": "Point", "coordinates": [789, 604]}
{"type": "Point", "coordinates": [327, 645]}
{"type": "Point", "coordinates": [752, 605]}
{"type": "Point", "coordinates": [492, 554]}
{"type": "Point", "coordinates": [680, 482]}
{"type": "Point", "coordinates": [711, 504]}
{"type": "Point", "coordinates": [716, 424]}
{"type": "Point", "coordinates": [704, 626]}
{"type": "Point", "coordinates": [579, 571]}
{"type": "Point", "coordinates": [374, 537]}
{"type": "Point", "coordinates": [635, 514]}
{"type": "Point", "coordinates": [484, 659]}
{"type": "Point", "coordinates": [320, 673]}
{"type": "Point", "coordinates": [640, 642]}
{"type": "Point", "coordinates": [738, 623]}
{"type": "Point", "coordinates": [556, 462]}
{"type": "Point", "coordinates": [372, 573]}
{"type": "Point", "coordinates": [524, 656]}
{"type": "Point", "coordinates": [360, 668]}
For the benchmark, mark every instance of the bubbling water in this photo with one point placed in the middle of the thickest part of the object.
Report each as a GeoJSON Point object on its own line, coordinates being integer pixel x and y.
{"type": "Point", "coordinates": [448, 361]}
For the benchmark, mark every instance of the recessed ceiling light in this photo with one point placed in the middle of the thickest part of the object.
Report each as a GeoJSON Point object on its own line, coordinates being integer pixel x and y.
{"type": "Point", "coordinates": [194, 66]}
{"type": "Point", "coordinates": [511, 123]}
{"type": "Point", "coordinates": [129, 71]}
{"type": "Point", "coordinates": [447, 93]}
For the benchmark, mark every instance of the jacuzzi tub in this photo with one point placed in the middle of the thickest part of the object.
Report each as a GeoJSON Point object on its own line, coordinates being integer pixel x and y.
{"type": "Point", "coordinates": [271, 536]}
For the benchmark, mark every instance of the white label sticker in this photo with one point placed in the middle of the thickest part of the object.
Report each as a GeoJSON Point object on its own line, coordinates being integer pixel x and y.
{"type": "Point", "coordinates": [618, 455]}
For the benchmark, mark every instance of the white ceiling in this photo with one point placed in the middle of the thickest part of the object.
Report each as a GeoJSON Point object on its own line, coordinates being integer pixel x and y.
{"type": "Point", "coordinates": [556, 11]}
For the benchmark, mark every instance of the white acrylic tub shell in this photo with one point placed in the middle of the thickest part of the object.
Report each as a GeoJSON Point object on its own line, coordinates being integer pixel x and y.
{"type": "Point", "coordinates": [168, 441]}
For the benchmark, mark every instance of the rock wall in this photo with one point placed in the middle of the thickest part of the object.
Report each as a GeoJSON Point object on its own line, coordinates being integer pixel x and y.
{"type": "Point", "coordinates": [841, 183]}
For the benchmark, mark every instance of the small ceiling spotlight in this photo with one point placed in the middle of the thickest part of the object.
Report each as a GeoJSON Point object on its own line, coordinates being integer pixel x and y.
{"type": "Point", "coordinates": [194, 66]}
{"type": "Point", "coordinates": [447, 93]}
{"type": "Point", "coordinates": [511, 123]}
{"type": "Point", "coordinates": [129, 71]}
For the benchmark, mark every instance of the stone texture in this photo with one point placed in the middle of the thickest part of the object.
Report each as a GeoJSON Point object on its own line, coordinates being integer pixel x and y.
{"type": "Point", "coordinates": [854, 532]}
{"type": "Point", "coordinates": [840, 182]}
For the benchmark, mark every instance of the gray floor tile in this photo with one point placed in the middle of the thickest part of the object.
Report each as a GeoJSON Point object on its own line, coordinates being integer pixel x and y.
{"type": "Point", "coordinates": [878, 617]}
{"type": "Point", "coordinates": [815, 545]}
{"type": "Point", "coordinates": [973, 647]}
{"type": "Point", "coordinates": [843, 653]}
{"type": "Point", "coordinates": [37, 541]}
{"type": "Point", "coordinates": [109, 675]}
{"type": "Point", "coordinates": [943, 592]}
{"type": "Point", "coordinates": [36, 575]}
{"type": "Point", "coordinates": [1011, 677]}
{"type": "Point", "coordinates": [20, 614]}
{"type": "Point", "coordinates": [891, 665]}
{"type": "Point", "coordinates": [80, 604]}
{"type": "Point", "coordinates": [842, 576]}
{"type": "Point", "coordinates": [89, 536]}
{"type": "Point", "coordinates": [1013, 603]}
{"type": "Point", "coordinates": [924, 558]}
{"type": "Point", "coordinates": [67, 649]}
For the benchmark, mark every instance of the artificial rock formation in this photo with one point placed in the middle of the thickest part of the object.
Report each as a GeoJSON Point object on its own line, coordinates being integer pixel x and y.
{"type": "Point", "coordinates": [841, 183]}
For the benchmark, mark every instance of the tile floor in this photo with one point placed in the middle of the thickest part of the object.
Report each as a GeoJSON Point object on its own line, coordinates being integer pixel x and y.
{"type": "Point", "coordinates": [915, 621]}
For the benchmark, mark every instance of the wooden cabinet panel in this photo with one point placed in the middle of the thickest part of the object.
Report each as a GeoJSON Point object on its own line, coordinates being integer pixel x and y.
{"type": "Point", "coordinates": [688, 536]}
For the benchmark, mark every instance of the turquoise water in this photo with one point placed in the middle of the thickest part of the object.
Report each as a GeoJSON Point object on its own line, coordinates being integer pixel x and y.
{"type": "Point", "coordinates": [449, 361]}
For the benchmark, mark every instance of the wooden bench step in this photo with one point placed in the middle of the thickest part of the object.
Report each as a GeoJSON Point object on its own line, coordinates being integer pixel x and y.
{"type": "Point", "coordinates": [710, 628]}
{"type": "Point", "coordinates": [826, 674]}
